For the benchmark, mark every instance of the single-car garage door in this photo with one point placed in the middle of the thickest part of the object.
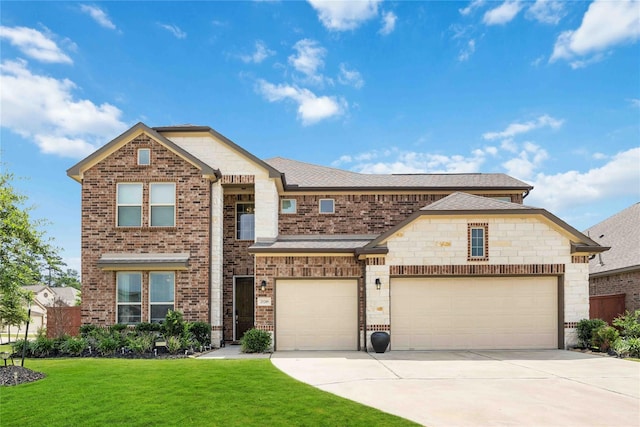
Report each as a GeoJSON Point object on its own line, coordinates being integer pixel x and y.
{"type": "Point", "coordinates": [474, 313]}
{"type": "Point", "coordinates": [316, 314]}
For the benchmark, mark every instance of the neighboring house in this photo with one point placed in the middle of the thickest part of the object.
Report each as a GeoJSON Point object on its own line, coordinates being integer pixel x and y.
{"type": "Point", "coordinates": [54, 296]}
{"type": "Point", "coordinates": [618, 270]}
{"type": "Point", "coordinates": [182, 218]}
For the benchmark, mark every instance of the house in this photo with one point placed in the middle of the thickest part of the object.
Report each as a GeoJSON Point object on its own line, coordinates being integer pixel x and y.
{"type": "Point", "coordinates": [183, 218]}
{"type": "Point", "coordinates": [618, 270]}
{"type": "Point", "coordinates": [54, 296]}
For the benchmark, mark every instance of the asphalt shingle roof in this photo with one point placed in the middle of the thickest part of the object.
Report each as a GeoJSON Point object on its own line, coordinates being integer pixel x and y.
{"type": "Point", "coordinates": [314, 243]}
{"type": "Point", "coordinates": [307, 175]}
{"type": "Point", "coordinates": [622, 233]}
{"type": "Point", "coordinates": [469, 202]}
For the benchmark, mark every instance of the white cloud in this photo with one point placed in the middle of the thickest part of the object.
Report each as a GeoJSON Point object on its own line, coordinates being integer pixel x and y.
{"type": "Point", "coordinates": [503, 13]}
{"type": "Point", "coordinates": [98, 15]}
{"type": "Point", "coordinates": [261, 53]}
{"type": "Point", "coordinates": [473, 5]}
{"type": "Point", "coordinates": [618, 178]}
{"type": "Point", "coordinates": [635, 102]}
{"type": "Point", "coordinates": [546, 11]}
{"type": "Point", "coordinates": [344, 15]}
{"type": "Point", "coordinates": [350, 77]}
{"type": "Point", "coordinates": [604, 25]}
{"type": "Point", "coordinates": [175, 30]}
{"type": "Point", "coordinates": [517, 128]}
{"type": "Point", "coordinates": [467, 50]}
{"type": "Point", "coordinates": [528, 160]}
{"type": "Point", "coordinates": [311, 108]}
{"type": "Point", "coordinates": [44, 110]}
{"type": "Point", "coordinates": [34, 44]}
{"type": "Point", "coordinates": [308, 59]}
{"type": "Point", "coordinates": [388, 23]}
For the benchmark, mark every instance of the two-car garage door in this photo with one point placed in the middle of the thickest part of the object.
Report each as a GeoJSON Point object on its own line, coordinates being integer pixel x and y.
{"type": "Point", "coordinates": [316, 314]}
{"type": "Point", "coordinates": [474, 313]}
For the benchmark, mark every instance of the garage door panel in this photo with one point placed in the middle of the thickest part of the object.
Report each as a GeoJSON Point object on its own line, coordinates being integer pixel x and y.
{"type": "Point", "coordinates": [316, 314]}
{"type": "Point", "coordinates": [479, 313]}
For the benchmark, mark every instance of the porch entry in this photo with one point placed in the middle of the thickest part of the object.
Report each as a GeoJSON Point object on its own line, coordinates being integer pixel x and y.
{"type": "Point", "coordinates": [243, 305]}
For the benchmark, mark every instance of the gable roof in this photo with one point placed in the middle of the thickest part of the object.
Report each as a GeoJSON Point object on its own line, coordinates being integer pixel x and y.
{"type": "Point", "coordinates": [463, 204]}
{"type": "Point", "coordinates": [78, 169]}
{"type": "Point", "coordinates": [300, 175]}
{"type": "Point", "coordinates": [622, 232]}
{"type": "Point", "coordinates": [341, 243]}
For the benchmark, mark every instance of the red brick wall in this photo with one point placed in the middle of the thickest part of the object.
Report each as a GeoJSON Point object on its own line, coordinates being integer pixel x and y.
{"type": "Point", "coordinates": [624, 283]}
{"type": "Point", "coordinates": [100, 234]}
{"type": "Point", "coordinates": [356, 214]}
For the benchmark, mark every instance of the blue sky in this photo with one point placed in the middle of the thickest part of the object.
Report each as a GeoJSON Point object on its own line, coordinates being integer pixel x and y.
{"type": "Point", "coordinates": [546, 91]}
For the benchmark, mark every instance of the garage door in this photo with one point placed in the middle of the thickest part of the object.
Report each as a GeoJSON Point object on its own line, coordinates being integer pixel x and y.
{"type": "Point", "coordinates": [474, 313]}
{"type": "Point", "coordinates": [316, 315]}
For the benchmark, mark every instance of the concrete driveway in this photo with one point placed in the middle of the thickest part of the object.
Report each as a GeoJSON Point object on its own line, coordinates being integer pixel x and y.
{"type": "Point", "coordinates": [479, 388]}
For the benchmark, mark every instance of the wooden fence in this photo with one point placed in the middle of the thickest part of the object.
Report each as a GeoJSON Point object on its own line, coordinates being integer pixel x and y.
{"type": "Point", "coordinates": [606, 307]}
{"type": "Point", "coordinates": [63, 320]}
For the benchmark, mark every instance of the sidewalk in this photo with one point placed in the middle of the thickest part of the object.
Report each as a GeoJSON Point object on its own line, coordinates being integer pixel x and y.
{"type": "Point", "coordinates": [232, 352]}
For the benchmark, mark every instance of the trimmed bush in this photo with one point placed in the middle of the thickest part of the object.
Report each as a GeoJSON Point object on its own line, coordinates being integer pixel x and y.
{"type": "Point", "coordinates": [73, 346]}
{"type": "Point", "coordinates": [201, 332]}
{"type": "Point", "coordinates": [141, 343]}
{"type": "Point", "coordinates": [604, 337]}
{"type": "Point", "coordinates": [585, 331]}
{"type": "Point", "coordinates": [148, 327]}
{"type": "Point", "coordinates": [628, 324]}
{"type": "Point", "coordinates": [255, 341]}
{"type": "Point", "coordinates": [108, 345]}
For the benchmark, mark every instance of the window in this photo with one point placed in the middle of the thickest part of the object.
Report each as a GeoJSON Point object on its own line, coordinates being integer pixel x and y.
{"type": "Point", "coordinates": [129, 211]}
{"type": "Point", "coordinates": [161, 295]}
{"type": "Point", "coordinates": [478, 242]}
{"type": "Point", "coordinates": [144, 156]}
{"type": "Point", "coordinates": [326, 206]}
{"type": "Point", "coordinates": [245, 222]}
{"type": "Point", "coordinates": [163, 205]}
{"type": "Point", "coordinates": [129, 297]}
{"type": "Point", "coordinates": [288, 206]}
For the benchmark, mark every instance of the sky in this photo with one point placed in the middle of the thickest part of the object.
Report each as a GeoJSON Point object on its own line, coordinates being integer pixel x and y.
{"type": "Point", "coordinates": [545, 91]}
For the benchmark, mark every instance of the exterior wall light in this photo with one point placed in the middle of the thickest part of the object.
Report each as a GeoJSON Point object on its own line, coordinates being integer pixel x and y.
{"type": "Point", "coordinates": [263, 285]}
{"type": "Point", "coordinates": [378, 283]}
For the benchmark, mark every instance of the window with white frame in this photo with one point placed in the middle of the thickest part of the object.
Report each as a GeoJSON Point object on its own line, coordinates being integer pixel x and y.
{"type": "Point", "coordinates": [144, 156]}
{"type": "Point", "coordinates": [129, 297]}
{"type": "Point", "coordinates": [245, 221]}
{"type": "Point", "coordinates": [288, 206]}
{"type": "Point", "coordinates": [161, 294]}
{"type": "Point", "coordinates": [129, 201]}
{"type": "Point", "coordinates": [478, 242]}
{"type": "Point", "coordinates": [162, 202]}
{"type": "Point", "coordinates": [327, 206]}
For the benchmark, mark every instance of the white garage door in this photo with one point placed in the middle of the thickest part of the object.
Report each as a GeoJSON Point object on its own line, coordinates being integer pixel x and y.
{"type": "Point", "coordinates": [474, 313]}
{"type": "Point", "coordinates": [316, 315]}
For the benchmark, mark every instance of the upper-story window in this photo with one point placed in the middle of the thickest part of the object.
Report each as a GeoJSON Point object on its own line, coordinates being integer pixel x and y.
{"type": "Point", "coordinates": [144, 156]}
{"type": "Point", "coordinates": [245, 221]}
{"type": "Point", "coordinates": [327, 206]}
{"type": "Point", "coordinates": [161, 294]}
{"type": "Point", "coordinates": [162, 202]}
{"type": "Point", "coordinates": [129, 297]}
{"type": "Point", "coordinates": [288, 206]}
{"type": "Point", "coordinates": [129, 211]}
{"type": "Point", "coordinates": [478, 247]}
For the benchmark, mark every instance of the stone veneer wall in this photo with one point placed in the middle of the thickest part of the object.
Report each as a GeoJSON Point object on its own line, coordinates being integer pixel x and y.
{"type": "Point", "coordinates": [375, 213]}
{"type": "Point", "coordinates": [622, 283]}
{"type": "Point", "coordinates": [100, 234]}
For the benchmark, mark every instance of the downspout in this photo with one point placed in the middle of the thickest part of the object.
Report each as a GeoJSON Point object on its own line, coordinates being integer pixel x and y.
{"type": "Point", "coordinates": [210, 252]}
{"type": "Point", "coordinates": [364, 306]}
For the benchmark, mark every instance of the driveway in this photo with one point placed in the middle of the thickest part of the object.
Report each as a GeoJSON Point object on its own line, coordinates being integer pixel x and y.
{"type": "Point", "coordinates": [479, 388]}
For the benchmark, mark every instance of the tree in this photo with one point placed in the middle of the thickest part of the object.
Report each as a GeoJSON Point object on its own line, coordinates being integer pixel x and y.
{"type": "Point", "coordinates": [69, 278]}
{"type": "Point", "coordinates": [24, 250]}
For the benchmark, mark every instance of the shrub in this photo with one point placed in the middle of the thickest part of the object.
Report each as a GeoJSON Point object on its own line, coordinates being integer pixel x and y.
{"type": "Point", "coordinates": [173, 324]}
{"type": "Point", "coordinates": [118, 327]}
{"type": "Point", "coordinates": [604, 337]}
{"type": "Point", "coordinates": [629, 324]}
{"type": "Point", "coordinates": [621, 347]}
{"type": "Point", "coordinates": [585, 331]}
{"type": "Point", "coordinates": [87, 329]}
{"type": "Point", "coordinates": [201, 332]}
{"type": "Point", "coordinates": [634, 346]}
{"type": "Point", "coordinates": [141, 343]}
{"type": "Point", "coordinates": [107, 345]}
{"type": "Point", "coordinates": [18, 345]}
{"type": "Point", "coordinates": [174, 344]}
{"type": "Point", "coordinates": [73, 346]}
{"type": "Point", "coordinates": [41, 346]}
{"type": "Point", "coordinates": [255, 341]}
{"type": "Point", "coordinates": [148, 327]}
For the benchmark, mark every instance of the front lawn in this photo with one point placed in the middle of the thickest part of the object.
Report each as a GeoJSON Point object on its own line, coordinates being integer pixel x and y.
{"type": "Point", "coordinates": [98, 392]}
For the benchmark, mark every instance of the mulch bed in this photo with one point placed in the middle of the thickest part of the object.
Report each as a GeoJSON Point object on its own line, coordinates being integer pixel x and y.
{"type": "Point", "coordinates": [14, 375]}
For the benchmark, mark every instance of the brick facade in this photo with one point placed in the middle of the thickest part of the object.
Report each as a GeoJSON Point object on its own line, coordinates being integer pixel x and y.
{"type": "Point", "coordinates": [100, 234]}
{"type": "Point", "coordinates": [623, 283]}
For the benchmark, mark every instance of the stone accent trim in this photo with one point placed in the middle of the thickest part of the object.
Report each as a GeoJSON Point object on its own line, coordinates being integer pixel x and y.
{"type": "Point", "coordinates": [309, 266]}
{"type": "Point", "coordinates": [378, 327]}
{"type": "Point", "coordinates": [570, 325]}
{"type": "Point", "coordinates": [476, 270]}
{"type": "Point", "coordinates": [268, 328]}
{"type": "Point", "coordinates": [579, 259]}
{"type": "Point", "coordinates": [216, 327]}
{"type": "Point", "coordinates": [484, 226]}
{"type": "Point", "coordinates": [238, 179]}
{"type": "Point", "coordinates": [378, 260]}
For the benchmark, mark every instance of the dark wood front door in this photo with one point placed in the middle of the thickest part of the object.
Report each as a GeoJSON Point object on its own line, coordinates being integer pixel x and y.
{"type": "Point", "coordinates": [243, 305]}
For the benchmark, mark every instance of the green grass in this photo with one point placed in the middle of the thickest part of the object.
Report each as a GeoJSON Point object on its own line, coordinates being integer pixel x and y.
{"type": "Point", "coordinates": [121, 392]}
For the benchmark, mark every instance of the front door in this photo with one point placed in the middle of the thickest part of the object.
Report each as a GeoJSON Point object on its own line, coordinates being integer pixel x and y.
{"type": "Point", "coordinates": [243, 306]}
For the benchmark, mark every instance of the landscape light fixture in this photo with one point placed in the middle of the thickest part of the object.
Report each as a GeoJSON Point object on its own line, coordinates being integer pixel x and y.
{"type": "Point", "coordinates": [378, 283]}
